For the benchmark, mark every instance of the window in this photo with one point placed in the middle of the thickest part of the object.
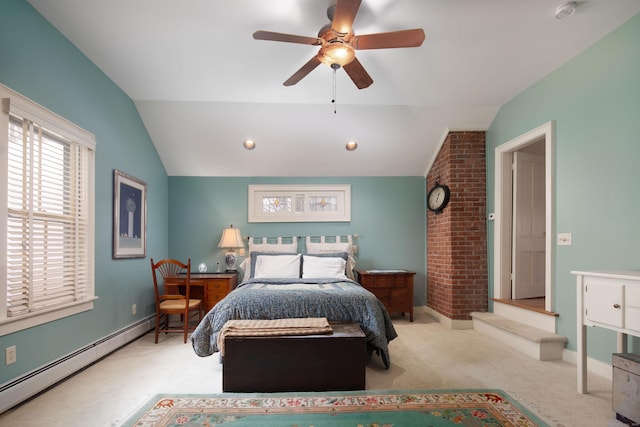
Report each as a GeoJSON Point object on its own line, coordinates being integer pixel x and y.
{"type": "Point", "coordinates": [299, 203]}
{"type": "Point", "coordinates": [47, 215]}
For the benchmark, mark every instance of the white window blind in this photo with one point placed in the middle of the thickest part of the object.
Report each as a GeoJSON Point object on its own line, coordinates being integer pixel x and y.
{"type": "Point", "coordinates": [48, 214]}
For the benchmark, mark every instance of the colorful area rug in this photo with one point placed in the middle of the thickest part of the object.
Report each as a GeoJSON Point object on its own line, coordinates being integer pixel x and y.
{"type": "Point", "coordinates": [433, 408]}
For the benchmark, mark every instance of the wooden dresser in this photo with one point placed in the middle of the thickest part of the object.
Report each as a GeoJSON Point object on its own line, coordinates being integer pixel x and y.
{"type": "Point", "coordinates": [393, 287]}
{"type": "Point", "coordinates": [212, 287]}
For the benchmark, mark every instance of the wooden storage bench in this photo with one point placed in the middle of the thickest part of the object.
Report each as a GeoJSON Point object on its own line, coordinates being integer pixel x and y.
{"type": "Point", "coordinates": [296, 363]}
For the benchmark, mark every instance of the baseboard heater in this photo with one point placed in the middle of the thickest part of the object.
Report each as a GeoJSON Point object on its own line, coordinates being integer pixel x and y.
{"type": "Point", "coordinates": [20, 389]}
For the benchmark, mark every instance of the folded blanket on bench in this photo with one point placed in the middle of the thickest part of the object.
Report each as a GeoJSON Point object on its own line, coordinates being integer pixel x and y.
{"type": "Point", "coordinates": [273, 327]}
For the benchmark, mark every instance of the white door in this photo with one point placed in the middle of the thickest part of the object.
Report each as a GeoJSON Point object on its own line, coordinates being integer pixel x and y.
{"type": "Point", "coordinates": [528, 255]}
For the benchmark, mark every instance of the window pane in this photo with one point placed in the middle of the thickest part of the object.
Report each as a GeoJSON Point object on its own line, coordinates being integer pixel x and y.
{"type": "Point", "coordinates": [323, 203]}
{"type": "Point", "coordinates": [277, 204]}
{"type": "Point", "coordinates": [47, 196]}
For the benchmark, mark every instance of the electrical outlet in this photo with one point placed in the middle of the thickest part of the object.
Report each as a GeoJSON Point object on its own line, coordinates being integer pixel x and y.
{"type": "Point", "coordinates": [134, 309]}
{"type": "Point", "coordinates": [10, 355]}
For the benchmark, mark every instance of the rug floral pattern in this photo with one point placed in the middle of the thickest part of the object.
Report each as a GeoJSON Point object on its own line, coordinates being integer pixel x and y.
{"type": "Point", "coordinates": [437, 408]}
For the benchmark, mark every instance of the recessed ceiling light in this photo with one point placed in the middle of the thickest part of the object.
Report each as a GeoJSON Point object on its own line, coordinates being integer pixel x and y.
{"type": "Point", "coordinates": [249, 144]}
{"type": "Point", "coordinates": [566, 9]}
{"type": "Point", "coordinates": [351, 145]}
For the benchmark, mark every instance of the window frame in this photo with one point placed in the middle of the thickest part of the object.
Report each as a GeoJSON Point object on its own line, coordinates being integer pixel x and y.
{"type": "Point", "coordinates": [17, 105]}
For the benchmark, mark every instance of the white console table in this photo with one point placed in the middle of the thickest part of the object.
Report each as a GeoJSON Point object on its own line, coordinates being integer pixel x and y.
{"type": "Point", "coordinates": [607, 299]}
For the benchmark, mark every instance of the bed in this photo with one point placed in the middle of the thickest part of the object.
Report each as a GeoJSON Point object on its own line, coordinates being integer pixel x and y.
{"type": "Point", "coordinates": [280, 283]}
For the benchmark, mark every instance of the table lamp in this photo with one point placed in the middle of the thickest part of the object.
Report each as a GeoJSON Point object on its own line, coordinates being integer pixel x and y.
{"type": "Point", "coordinates": [231, 239]}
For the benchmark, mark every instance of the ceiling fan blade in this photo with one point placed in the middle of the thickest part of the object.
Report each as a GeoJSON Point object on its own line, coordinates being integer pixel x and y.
{"type": "Point", "coordinates": [344, 15]}
{"type": "Point", "coordinates": [404, 38]}
{"type": "Point", "coordinates": [289, 38]}
{"type": "Point", "coordinates": [358, 74]}
{"type": "Point", "coordinates": [303, 71]}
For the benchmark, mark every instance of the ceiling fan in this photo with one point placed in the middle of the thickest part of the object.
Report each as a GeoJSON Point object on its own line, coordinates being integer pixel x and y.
{"type": "Point", "coordinates": [338, 43]}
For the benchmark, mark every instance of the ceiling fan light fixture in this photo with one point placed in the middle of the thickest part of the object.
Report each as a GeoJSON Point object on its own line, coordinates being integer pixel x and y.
{"type": "Point", "coordinates": [565, 10]}
{"type": "Point", "coordinates": [338, 43]}
{"type": "Point", "coordinates": [336, 52]}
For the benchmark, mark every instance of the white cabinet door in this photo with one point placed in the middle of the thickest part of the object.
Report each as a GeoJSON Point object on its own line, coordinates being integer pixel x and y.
{"type": "Point", "coordinates": [632, 308]}
{"type": "Point", "coordinates": [603, 302]}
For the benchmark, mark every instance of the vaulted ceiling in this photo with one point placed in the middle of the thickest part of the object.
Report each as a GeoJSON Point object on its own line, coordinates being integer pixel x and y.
{"type": "Point", "coordinates": [203, 85]}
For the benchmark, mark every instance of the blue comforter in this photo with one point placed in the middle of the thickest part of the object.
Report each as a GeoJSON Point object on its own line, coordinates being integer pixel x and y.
{"type": "Point", "coordinates": [339, 301]}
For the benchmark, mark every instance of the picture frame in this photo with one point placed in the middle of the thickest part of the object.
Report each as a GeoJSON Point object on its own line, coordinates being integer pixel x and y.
{"type": "Point", "coordinates": [299, 203]}
{"type": "Point", "coordinates": [129, 216]}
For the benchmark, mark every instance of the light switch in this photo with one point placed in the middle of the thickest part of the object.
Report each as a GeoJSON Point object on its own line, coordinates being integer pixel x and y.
{"type": "Point", "coordinates": [564, 239]}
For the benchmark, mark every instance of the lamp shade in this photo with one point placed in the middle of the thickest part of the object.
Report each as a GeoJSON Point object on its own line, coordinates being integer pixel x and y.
{"type": "Point", "coordinates": [231, 238]}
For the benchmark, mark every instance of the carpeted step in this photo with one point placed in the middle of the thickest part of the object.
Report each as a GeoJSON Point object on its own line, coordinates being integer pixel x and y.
{"type": "Point", "coordinates": [534, 342]}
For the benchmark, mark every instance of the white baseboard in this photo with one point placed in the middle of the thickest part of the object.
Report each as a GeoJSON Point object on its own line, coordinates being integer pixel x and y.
{"type": "Point", "coordinates": [449, 323]}
{"type": "Point", "coordinates": [21, 388]}
{"type": "Point", "coordinates": [597, 367]}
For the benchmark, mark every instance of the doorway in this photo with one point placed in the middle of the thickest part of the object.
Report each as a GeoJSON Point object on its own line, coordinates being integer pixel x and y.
{"type": "Point", "coordinates": [523, 228]}
{"type": "Point", "coordinates": [528, 223]}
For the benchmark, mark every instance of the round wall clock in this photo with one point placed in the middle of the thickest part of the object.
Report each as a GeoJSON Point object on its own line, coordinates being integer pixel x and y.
{"type": "Point", "coordinates": [438, 198]}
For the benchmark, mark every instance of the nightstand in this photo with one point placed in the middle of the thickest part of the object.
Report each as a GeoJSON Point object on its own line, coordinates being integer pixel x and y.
{"type": "Point", "coordinates": [212, 287]}
{"type": "Point", "coordinates": [394, 288]}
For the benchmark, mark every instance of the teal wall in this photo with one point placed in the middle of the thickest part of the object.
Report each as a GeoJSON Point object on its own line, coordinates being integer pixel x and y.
{"type": "Point", "coordinates": [37, 61]}
{"type": "Point", "coordinates": [594, 101]}
{"type": "Point", "coordinates": [184, 214]}
{"type": "Point", "coordinates": [388, 215]}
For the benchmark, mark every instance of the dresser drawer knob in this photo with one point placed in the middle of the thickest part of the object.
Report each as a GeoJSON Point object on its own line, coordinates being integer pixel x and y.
{"type": "Point", "coordinates": [616, 305]}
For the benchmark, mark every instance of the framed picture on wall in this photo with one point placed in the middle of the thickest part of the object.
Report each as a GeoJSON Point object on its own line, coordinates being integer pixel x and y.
{"type": "Point", "coordinates": [129, 216]}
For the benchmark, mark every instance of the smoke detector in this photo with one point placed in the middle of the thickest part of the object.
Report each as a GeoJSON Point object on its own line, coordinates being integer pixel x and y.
{"type": "Point", "coordinates": [566, 9]}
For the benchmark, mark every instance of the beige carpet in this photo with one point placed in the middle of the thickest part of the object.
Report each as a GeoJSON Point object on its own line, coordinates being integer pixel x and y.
{"type": "Point", "coordinates": [424, 356]}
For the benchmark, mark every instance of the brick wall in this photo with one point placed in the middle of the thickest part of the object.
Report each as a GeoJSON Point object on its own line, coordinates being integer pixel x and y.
{"type": "Point", "coordinates": [457, 281]}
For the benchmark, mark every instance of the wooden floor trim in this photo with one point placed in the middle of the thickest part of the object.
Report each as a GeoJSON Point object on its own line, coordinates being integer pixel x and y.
{"type": "Point", "coordinates": [533, 304]}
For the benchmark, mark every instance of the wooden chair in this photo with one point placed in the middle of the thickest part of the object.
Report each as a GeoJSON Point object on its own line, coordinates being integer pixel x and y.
{"type": "Point", "coordinates": [169, 300]}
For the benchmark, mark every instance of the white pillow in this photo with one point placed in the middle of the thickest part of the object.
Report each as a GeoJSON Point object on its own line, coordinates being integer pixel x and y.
{"type": "Point", "coordinates": [333, 247]}
{"type": "Point", "coordinates": [314, 267]}
{"type": "Point", "coordinates": [277, 267]}
{"type": "Point", "coordinates": [265, 246]}
{"type": "Point", "coordinates": [245, 268]}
